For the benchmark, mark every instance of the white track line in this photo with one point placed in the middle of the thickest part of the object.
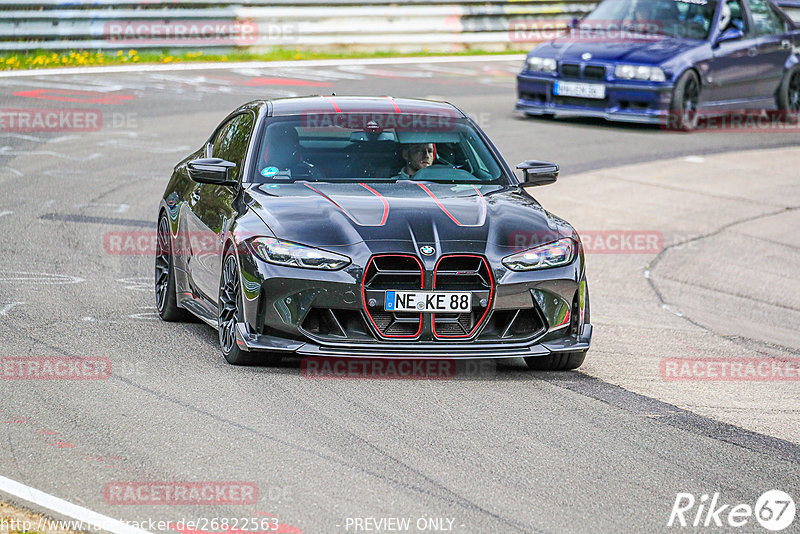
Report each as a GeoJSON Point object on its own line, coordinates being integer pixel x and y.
{"type": "Point", "coordinates": [258, 65]}
{"type": "Point", "coordinates": [90, 519]}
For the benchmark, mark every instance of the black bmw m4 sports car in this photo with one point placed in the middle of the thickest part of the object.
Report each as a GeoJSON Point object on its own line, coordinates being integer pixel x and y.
{"type": "Point", "coordinates": [368, 227]}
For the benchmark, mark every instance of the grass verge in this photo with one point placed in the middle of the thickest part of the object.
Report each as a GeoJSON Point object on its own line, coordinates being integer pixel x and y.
{"type": "Point", "coordinates": [17, 520]}
{"type": "Point", "coordinates": [40, 59]}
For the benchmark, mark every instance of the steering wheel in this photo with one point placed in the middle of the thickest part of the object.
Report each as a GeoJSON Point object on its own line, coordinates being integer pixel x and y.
{"type": "Point", "coordinates": [444, 162]}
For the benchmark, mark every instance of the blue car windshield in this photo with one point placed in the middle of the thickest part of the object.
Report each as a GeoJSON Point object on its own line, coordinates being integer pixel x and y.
{"type": "Point", "coordinates": [691, 19]}
{"type": "Point", "coordinates": [374, 147]}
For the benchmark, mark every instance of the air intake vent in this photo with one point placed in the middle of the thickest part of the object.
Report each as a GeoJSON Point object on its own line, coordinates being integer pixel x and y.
{"type": "Point", "coordinates": [332, 324]}
{"type": "Point", "coordinates": [510, 325]}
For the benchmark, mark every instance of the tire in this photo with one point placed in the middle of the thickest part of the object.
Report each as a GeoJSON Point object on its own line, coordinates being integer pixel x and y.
{"type": "Point", "coordinates": [166, 301]}
{"type": "Point", "coordinates": [788, 97]}
{"type": "Point", "coordinates": [564, 361]}
{"type": "Point", "coordinates": [229, 313]}
{"type": "Point", "coordinates": [229, 306]}
{"type": "Point", "coordinates": [685, 98]}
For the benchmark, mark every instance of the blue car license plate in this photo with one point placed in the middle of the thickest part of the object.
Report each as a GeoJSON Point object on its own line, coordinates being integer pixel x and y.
{"type": "Point", "coordinates": [580, 90]}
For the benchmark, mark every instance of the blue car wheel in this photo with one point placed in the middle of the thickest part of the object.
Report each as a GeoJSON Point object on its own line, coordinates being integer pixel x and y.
{"type": "Point", "coordinates": [685, 98]}
{"type": "Point", "coordinates": [789, 91]}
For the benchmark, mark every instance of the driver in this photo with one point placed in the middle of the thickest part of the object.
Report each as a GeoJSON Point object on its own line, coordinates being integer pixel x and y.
{"type": "Point", "coordinates": [640, 18]}
{"type": "Point", "coordinates": [417, 156]}
{"type": "Point", "coordinates": [724, 17]}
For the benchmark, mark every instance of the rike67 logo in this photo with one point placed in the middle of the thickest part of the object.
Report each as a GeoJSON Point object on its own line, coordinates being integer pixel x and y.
{"type": "Point", "coordinates": [774, 510]}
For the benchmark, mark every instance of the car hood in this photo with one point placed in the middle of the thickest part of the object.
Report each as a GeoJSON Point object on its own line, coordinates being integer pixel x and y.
{"type": "Point", "coordinates": [639, 51]}
{"type": "Point", "coordinates": [330, 215]}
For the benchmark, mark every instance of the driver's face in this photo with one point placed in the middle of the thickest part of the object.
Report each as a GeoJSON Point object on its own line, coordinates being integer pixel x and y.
{"type": "Point", "coordinates": [420, 156]}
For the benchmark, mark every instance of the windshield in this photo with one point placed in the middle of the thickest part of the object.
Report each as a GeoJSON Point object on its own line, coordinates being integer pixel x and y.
{"type": "Point", "coordinates": [673, 18]}
{"type": "Point", "coordinates": [373, 148]}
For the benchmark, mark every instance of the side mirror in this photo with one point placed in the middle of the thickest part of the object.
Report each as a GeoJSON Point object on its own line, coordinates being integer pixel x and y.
{"type": "Point", "coordinates": [211, 171]}
{"type": "Point", "coordinates": [729, 35]}
{"type": "Point", "coordinates": [538, 172]}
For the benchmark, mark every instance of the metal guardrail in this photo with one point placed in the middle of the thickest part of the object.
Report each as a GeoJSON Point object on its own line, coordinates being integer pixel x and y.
{"type": "Point", "coordinates": [260, 25]}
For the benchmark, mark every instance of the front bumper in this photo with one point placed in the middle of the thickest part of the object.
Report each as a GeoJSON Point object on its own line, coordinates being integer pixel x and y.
{"type": "Point", "coordinates": [639, 102]}
{"type": "Point", "coordinates": [569, 343]}
{"type": "Point", "coordinates": [312, 313]}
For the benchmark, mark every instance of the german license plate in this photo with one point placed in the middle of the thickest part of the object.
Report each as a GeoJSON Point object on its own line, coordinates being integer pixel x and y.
{"type": "Point", "coordinates": [428, 301]}
{"type": "Point", "coordinates": [580, 90]}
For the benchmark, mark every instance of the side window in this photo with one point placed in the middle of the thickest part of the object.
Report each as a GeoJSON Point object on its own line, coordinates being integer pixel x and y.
{"type": "Point", "coordinates": [231, 142]}
{"type": "Point", "coordinates": [780, 22]}
{"type": "Point", "coordinates": [736, 19]}
{"type": "Point", "coordinates": [793, 12]}
{"type": "Point", "coordinates": [765, 20]}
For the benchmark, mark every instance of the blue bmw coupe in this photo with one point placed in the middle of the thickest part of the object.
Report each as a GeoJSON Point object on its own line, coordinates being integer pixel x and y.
{"type": "Point", "coordinates": [657, 61]}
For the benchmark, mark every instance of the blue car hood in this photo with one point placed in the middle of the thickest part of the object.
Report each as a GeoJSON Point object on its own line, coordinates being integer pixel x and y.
{"type": "Point", "coordinates": [640, 51]}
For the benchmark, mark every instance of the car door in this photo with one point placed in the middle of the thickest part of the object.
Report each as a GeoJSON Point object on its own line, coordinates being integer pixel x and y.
{"type": "Point", "coordinates": [774, 45]}
{"type": "Point", "coordinates": [212, 205]}
{"type": "Point", "coordinates": [733, 71]}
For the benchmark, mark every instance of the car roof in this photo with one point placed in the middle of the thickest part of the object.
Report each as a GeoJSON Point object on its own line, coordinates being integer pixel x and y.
{"type": "Point", "coordinates": [361, 104]}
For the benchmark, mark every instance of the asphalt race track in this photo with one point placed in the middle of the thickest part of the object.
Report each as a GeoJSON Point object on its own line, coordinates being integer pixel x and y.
{"type": "Point", "coordinates": [496, 449]}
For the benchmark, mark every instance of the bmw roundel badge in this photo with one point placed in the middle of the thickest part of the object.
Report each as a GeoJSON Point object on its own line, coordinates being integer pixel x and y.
{"type": "Point", "coordinates": [427, 250]}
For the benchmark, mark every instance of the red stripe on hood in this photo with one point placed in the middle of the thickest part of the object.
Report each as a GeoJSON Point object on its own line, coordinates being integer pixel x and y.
{"type": "Point", "coordinates": [438, 203]}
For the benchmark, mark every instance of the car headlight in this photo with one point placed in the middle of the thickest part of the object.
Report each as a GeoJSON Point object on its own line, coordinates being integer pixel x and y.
{"type": "Point", "coordinates": [555, 254]}
{"type": "Point", "coordinates": [541, 64]}
{"type": "Point", "coordinates": [291, 254]}
{"type": "Point", "coordinates": [639, 72]}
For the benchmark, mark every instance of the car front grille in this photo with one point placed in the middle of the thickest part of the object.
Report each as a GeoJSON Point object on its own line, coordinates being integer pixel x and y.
{"type": "Point", "coordinates": [393, 271]}
{"type": "Point", "coordinates": [570, 70]}
{"type": "Point", "coordinates": [589, 72]}
{"type": "Point", "coordinates": [462, 273]}
{"type": "Point", "coordinates": [594, 72]}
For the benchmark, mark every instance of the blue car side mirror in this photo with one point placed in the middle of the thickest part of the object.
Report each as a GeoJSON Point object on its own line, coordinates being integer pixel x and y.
{"type": "Point", "coordinates": [729, 35]}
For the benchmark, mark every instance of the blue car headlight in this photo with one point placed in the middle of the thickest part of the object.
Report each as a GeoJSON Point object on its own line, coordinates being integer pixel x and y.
{"type": "Point", "coordinates": [639, 72]}
{"type": "Point", "coordinates": [541, 64]}
{"type": "Point", "coordinates": [290, 254]}
{"type": "Point", "coordinates": [555, 254]}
